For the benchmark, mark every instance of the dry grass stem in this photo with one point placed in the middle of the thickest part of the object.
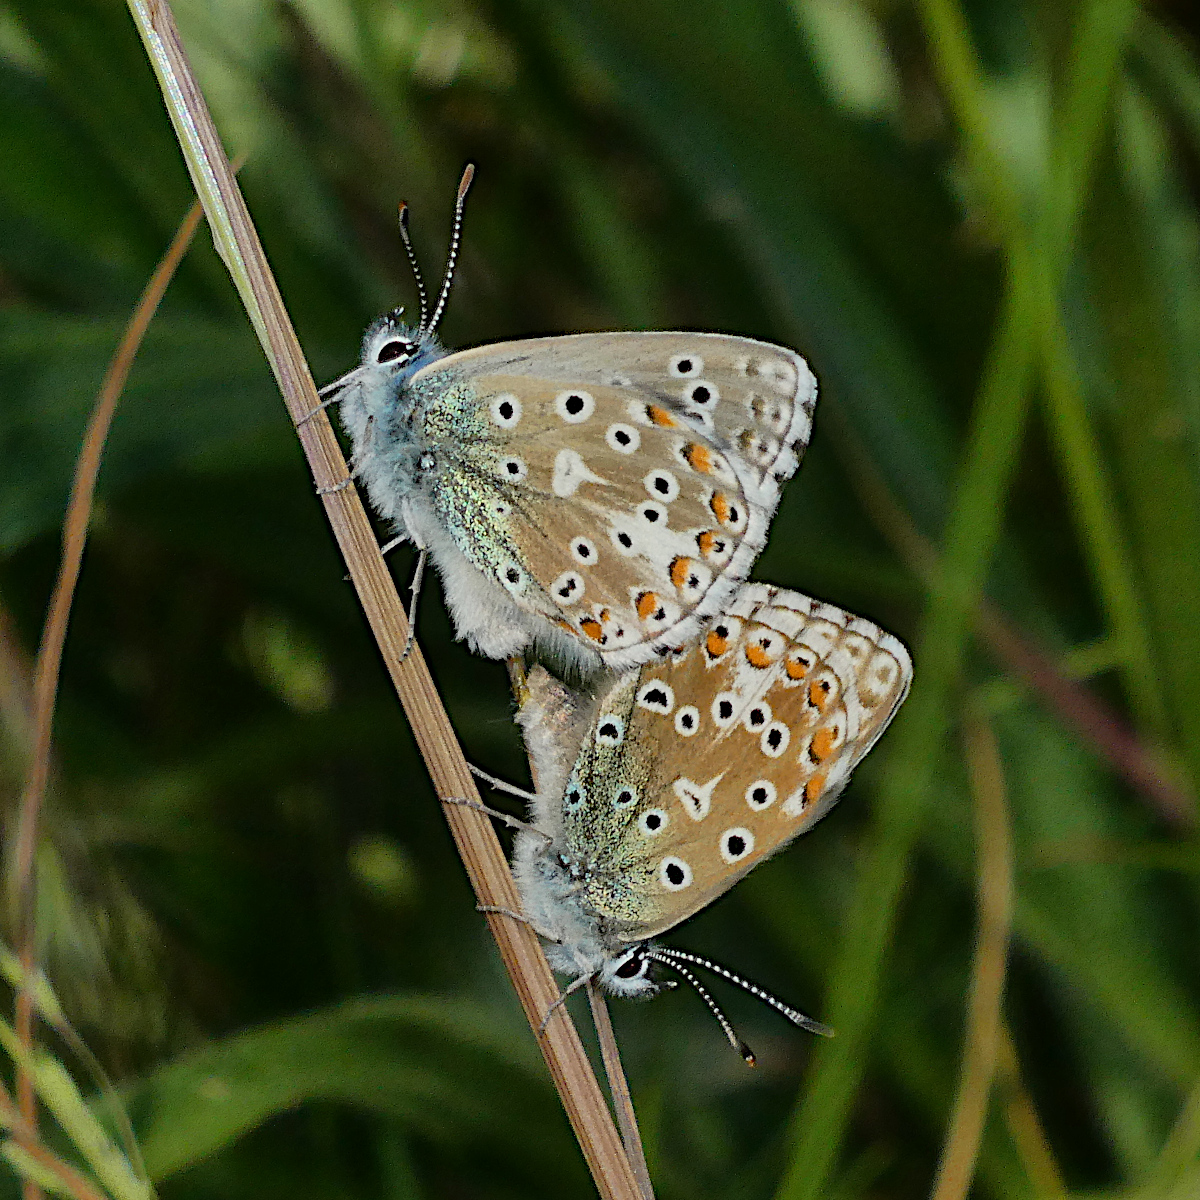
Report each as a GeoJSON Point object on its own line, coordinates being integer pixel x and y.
{"type": "Point", "coordinates": [473, 834]}
{"type": "Point", "coordinates": [994, 857]}
{"type": "Point", "coordinates": [54, 635]}
{"type": "Point", "coordinates": [1077, 706]}
{"type": "Point", "coordinates": [618, 1087]}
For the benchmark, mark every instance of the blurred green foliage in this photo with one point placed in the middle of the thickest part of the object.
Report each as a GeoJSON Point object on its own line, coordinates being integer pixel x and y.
{"type": "Point", "coordinates": [980, 226]}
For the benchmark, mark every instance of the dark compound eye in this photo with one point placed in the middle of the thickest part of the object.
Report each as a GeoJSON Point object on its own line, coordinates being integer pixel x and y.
{"type": "Point", "coordinates": [631, 968]}
{"type": "Point", "coordinates": [390, 351]}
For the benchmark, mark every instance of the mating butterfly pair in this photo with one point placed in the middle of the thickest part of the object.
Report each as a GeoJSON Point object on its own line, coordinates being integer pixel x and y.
{"type": "Point", "coordinates": [603, 497]}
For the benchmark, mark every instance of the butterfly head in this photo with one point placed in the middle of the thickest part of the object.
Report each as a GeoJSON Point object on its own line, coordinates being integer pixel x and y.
{"type": "Point", "coordinates": [628, 973]}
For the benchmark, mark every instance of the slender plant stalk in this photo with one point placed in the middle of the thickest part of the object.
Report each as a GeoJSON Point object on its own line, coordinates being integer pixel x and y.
{"type": "Point", "coordinates": [618, 1088]}
{"type": "Point", "coordinates": [484, 861]}
{"type": "Point", "coordinates": [956, 1170]}
{"type": "Point", "coordinates": [618, 1085]}
{"type": "Point", "coordinates": [25, 1137]}
{"type": "Point", "coordinates": [54, 635]}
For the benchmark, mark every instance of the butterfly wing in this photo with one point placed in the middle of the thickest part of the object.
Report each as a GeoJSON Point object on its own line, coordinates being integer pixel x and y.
{"type": "Point", "coordinates": [597, 508]}
{"type": "Point", "coordinates": [696, 769]}
{"type": "Point", "coordinates": [755, 400]}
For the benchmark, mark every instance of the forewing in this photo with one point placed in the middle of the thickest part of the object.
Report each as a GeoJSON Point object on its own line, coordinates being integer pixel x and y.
{"type": "Point", "coordinates": [754, 399]}
{"type": "Point", "coordinates": [596, 507]}
{"type": "Point", "coordinates": [735, 747]}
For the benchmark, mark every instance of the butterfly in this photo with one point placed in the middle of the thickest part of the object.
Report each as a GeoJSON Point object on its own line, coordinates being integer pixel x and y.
{"type": "Point", "coordinates": [656, 795]}
{"type": "Point", "coordinates": [601, 495]}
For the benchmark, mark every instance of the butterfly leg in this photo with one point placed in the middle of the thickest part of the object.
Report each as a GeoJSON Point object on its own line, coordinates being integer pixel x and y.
{"type": "Point", "coordinates": [562, 999]}
{"type": "Point", "coordinates": [499, 784]}
{"type": "Point", "coordinates": [415, 589]}
{"type": "Point", "coordinates": [516, 916]}
{"type": "Point", "coordinates": [308, 416]}
{"type": "Point", "coordinates": [496, 814]}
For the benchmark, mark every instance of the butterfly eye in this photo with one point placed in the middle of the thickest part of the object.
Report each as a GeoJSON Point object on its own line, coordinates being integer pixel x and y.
{"type": "Point", "coordinates": [634, 967]}
{"type": "Point", "coordinates": [394, 350]}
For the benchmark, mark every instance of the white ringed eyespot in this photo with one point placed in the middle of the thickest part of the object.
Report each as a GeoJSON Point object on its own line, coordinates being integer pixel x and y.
{"type": "Point", "coordinates": [674, 874]}
{"type": "Point", "coordinates": [736, 844]}
{"type": "Point", "coordinates": [513, 469]}
{"type": "Point", "coordinates": [662, 485]}
{"type": "Point", "coordinates": [583, 551]}
{"type": "Point", "coordinates": [775, 738]}
{"type": "Point", "coordinates": [574, 406]}
{"type": "Point", "coordinates": [656, 696]}
{"type": "Point", "coordinates": [505, 410]}
{"type": "Point", "coordinates": [652, 821]}
{"type": "Point", "coordinates": [624, 439]}
{"type": "Point", "coordinates": [610, 730]}
{"type": "Point", "coordinates": [686, 366]}
{"type": "Point", "coordinates": [703, 393]}
{"type": "Point", "coordinates": [687, 720]}
{"type": "Point", "coordinates": [761, 794]}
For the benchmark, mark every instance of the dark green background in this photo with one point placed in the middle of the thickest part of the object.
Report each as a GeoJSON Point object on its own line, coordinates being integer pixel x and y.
{"type": "Point", "coordinates": [249, 901]}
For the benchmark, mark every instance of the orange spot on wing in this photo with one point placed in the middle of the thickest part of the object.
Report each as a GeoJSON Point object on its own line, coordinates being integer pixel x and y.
{"type": "Point", "coordinates": [592, 628]}
{"type": "Point", "coordinates": [795, 668]}
{"type": "Point", "coordinates": [706, 540]}
{"type": "Point", "coordinates": [818, 693]}
{"type": "Point", "coordinates": [647, 604]}
{"type": "Point", "coordinates": [660, 416]}
{"type": "Point", "coordinates": [821, 746]}
{"type": "Point", "coordinates": [813, 788]}
{"type": "Point", "coordinates": [698, 457]}
{"type": "Point", "coordinates": [756, 656]}
{"type": "Point", "coordinates": [720, 506]}
{"type": "Point", "coordinates": [679, 570]}
{"type": "Point", "coordinates": [716, 644]}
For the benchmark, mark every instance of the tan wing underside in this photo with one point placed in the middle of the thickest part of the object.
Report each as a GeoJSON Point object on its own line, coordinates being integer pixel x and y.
{"type": "Point", "coordinates": [760, 396]}
{"type": "Point", "coordinates": [623, 548]}
{"type": "Point", "coordinates": [832, 680]}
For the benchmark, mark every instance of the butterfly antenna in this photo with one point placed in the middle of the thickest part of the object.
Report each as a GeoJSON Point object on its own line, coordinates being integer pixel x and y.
{"type": "Point", "coordinates": [464, 185]}
{"type": "Point", "coordinates": [412, 262]}
{"type": "Point", "coordinates": [714, 1008]}
{"type": "Point", "coordinates": [793, 1014]}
